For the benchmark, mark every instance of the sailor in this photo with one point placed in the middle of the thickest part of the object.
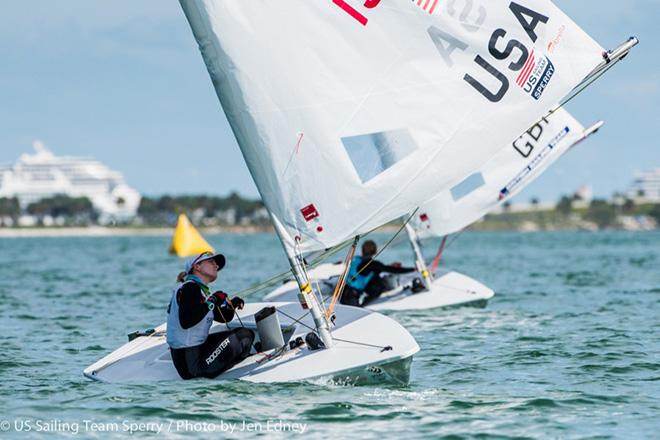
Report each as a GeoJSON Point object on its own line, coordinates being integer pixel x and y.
{"type": "Point", "coordinates": [191, 312]}
{"type": "Point", "coordinates": [364, 276]}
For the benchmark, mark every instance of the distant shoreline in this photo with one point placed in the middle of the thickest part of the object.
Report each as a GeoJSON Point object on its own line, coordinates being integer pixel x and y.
{"type": "Point", "coordinates": [102, 231]}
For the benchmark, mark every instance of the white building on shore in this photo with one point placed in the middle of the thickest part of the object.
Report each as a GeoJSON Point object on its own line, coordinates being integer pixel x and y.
{"type": "Point", "coordinates": [42, 175]}
{"type": "Point", "coordinates": [645, 187]}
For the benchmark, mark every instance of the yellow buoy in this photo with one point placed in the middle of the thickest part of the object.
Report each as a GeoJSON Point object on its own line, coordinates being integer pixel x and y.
{"type": "Point", "coordinates": [187, 240]}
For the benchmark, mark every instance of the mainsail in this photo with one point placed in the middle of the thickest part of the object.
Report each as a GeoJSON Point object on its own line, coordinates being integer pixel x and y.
{"type": "Point", "coordinates": [309, 87]}
{"type": "Point", "coordinates": [507, 173]}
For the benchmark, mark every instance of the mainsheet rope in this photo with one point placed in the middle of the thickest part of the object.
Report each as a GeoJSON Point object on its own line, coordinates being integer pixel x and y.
{"type": "Point", "coordinates": [339, 288]}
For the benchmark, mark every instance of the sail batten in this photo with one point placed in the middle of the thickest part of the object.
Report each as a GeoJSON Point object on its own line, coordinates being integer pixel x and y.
{"type": "Point", "coordinates": [310, 93]}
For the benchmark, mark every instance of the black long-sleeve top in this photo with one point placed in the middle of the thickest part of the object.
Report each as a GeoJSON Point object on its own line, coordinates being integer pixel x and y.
{"type": "Point", "coordinates": [367, 266]}
{"type": "Point", "coordinates": [193, 307]}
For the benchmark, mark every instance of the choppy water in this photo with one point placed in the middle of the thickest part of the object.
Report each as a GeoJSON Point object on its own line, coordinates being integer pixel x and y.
{"type": "Point", "coordinates": [568, 348]}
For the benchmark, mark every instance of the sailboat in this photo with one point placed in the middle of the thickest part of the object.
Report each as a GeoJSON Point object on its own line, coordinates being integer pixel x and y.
{"type": "Point", "coordinates": [503, 176]}
{"type": "Point", "coordinates": [513, 168]}
{"type": "Point", "coordinates": [308, 88]}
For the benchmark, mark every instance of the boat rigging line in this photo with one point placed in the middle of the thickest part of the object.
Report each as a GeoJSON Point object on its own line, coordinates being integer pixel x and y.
{"type": "Point", "coordinates": [341, 283]}
{"type": "Point", "coordinates": [318, 260]}
{"type": "Point", "coordinates": [298, 321]}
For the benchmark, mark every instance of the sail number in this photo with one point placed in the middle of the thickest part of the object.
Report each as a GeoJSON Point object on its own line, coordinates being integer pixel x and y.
{"type": "Point", "coordinates": [526, 143]}
{"type": "Point", "coordinates": [535, 72]}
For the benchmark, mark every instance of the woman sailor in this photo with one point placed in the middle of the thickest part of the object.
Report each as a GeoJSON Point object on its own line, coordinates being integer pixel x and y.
{"type": "Point", "coordinates": [191, 312]}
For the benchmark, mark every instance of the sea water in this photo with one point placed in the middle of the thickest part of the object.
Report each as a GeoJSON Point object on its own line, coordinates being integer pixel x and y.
{"type": "Point", "coordinates": [568, 348]}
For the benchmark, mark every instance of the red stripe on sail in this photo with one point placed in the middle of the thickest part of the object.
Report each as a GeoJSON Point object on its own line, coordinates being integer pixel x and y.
{"type": "Point", "coordinates": [530, 59]}
{"type": "Point", "coordinates": [529, 73]}
{"type": "Point", "coordinates": [426, 5]}
{"type": "Point", "coordinates": [351, 11]}
{"type": "Point", "coordinates": [527, 70]}
{"type": "Point", "coordinates": [435, 3]}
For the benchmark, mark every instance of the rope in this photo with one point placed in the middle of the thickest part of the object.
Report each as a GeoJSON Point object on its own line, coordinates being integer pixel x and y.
{"type": "Point", "coordinates": [297, 321]}
{"type": "Point", "coordinates": [235, 313]}
{"type": "Point", "coordinates": [339, 288]}
{"type": "Point", "coordinates": [438, 256]}
{"type": "Point", "coordinates": [454, 238]}
{"type": "Point", "coordinates": [287, 274]}
{"type": "Point", "coordinates": [278, 278]}
{"type": "Point", "coordinates": [382, 347]}
{"type": "Point", "coordinates": [223, 317]}
{"type": "Point", "coordinates": [267, 357]}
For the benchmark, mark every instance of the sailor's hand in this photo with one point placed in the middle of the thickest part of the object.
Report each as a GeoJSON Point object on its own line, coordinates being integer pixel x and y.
{"type": "Point", "coordinates": [218, 297]}
{"type": "Point", "coordinates": [237, 302]}
{"type": "Point", "coordinates": [396, 264]}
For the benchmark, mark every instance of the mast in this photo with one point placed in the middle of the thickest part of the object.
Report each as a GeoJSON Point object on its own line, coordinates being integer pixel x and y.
{"type": "Point", "coordinates": [419, 258]}
{"type": "Point", "coordinates": [307, 298]}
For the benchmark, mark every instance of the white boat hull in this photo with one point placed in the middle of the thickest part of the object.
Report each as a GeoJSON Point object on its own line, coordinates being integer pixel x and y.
{"type": "Point", "coordinates": [356, 358]}
{"type": "Point", "coordinates": [450, 289]}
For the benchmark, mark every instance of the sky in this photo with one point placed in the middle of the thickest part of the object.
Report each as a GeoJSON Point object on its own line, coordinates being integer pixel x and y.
{"type": "Point", "coordinates": [122, 81]}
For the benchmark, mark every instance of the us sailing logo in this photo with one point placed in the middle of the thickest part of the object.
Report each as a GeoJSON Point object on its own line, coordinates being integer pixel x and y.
{"type": "Point", "coordinates": [536, 75]}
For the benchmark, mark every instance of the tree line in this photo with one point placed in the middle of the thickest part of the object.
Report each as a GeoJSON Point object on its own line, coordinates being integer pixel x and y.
{"type": "Point", "coordinates": [204, 209]}
{"type": "Point", "coordinates": [234, 209]}
{"type": "Point", "coordinates": [157, 211]}
{"type": "Point", "coordinates": [74, 210]}
{"type": "Point", "coordinates": [602, 213]}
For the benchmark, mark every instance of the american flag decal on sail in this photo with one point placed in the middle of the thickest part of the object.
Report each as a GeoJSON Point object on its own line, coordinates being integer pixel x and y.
{"type": "Point", "coordinates": [427, 5]}
{"type": "Point", "coordinates": [536, 74]}
{"type": "Point", "coordinates": [526, 70]}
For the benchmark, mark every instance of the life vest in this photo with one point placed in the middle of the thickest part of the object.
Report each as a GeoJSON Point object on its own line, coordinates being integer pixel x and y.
{"type": "Point", "coordinates": [177, 336]}
{"type": "Point", "coordinates": [358, 281]}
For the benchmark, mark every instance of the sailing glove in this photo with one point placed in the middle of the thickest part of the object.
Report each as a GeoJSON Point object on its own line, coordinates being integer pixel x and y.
{"type": "Point", "coordinates": [237, 302]}
{"type": "Point", "coordinates": [218, 298]}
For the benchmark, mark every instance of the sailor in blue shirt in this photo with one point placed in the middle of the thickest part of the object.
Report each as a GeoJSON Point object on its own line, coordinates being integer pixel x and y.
{"type": "Point", "coordinates": [364, 276]}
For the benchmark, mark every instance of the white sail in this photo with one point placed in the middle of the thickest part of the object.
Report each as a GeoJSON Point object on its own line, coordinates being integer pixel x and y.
{"type": "Point", "coordinates": [309, 87]}
{"type": "Point", "coordinates": [506, 174]}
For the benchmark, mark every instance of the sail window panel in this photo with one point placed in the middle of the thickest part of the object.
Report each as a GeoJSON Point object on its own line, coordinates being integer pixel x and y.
{"type": "Point", "coordinates": [372, 154]}
{"type": "Point", "coordinates": [468, 186]}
